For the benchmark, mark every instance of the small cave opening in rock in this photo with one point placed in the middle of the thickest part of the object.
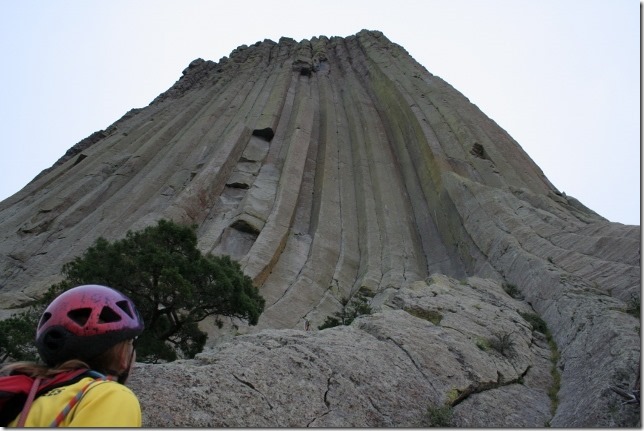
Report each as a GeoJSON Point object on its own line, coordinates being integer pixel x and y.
{"type": "Point", "coordinates": [244, 226]}
{"type": "Point", "coordinates": [478, 151]}
{"type": "Point", "coordinates": [266, 133]}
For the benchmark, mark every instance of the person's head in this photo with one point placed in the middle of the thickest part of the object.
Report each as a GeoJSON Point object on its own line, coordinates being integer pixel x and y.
{"type": "Point", "coordinates": [93, 324]}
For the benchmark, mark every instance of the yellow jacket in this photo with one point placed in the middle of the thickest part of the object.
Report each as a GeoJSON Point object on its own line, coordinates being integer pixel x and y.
{"type": "Point", "coordinates": [105, 404]}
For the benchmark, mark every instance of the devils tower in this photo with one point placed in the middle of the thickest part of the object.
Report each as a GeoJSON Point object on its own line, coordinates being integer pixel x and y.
{"type": "Point", "coordinates": [333, 166]}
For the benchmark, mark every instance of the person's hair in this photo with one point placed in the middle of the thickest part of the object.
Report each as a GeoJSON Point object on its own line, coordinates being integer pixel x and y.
{"type": "Point", "coordinates": [107, 362]}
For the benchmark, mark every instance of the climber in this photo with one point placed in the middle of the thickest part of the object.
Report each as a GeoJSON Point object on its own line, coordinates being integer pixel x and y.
{"type": "Point", "coordinates": [85, 338]}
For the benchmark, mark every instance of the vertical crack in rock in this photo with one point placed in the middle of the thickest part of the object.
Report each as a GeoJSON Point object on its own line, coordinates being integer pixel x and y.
{"type": "Point", "coordinates": [413, 361]}
{"type": "Point", "coordinates": [327, 403]}
{"type": "Point", "coordinates": [326, 393]}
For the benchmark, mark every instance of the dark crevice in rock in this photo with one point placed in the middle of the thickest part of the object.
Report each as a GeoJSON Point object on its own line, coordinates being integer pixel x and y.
{"type": "Point", "coordinates": [486, 386]}
{"type": "Point", "coordinates": [478, 151]}
{"type": "Point", "coordinates": [254, 389]}
{"type": "Point", "coordinates": [244, 226]}
{"type": "Point", "coordinates": [305, 68]}
{"type": "Point", "coordinates": [250, 385]}
{"type": "Point", "coordinates": [237, 185]}
{"type": "Point", "coordinates": [326, 393]}
{"type": "Point", "coordinates": [419, 368]}
{"type": "Point", "coordinates": [266, 133]}
{"type": "Point", "coordinates": [308, 425]}
{"type": "Point", "coordinates": [80, 158]}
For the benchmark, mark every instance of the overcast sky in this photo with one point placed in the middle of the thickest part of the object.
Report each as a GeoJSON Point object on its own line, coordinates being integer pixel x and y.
{"type": "Point", "coordinates": [561, 76]}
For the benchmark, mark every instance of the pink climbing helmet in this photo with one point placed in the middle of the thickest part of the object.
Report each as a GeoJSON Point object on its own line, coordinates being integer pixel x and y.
{"type": "Point", "coordinates": [85, 321]}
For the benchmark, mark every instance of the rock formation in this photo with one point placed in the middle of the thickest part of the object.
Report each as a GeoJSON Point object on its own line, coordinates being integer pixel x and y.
{"type": "Point", "coordinates": [337, 165]}
{"type": "Point", "coordinates": [429, 346]}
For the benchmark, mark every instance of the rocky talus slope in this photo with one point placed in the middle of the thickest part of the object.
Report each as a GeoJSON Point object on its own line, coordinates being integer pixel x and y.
{"type": "Point", "coordinates": [337, 165]}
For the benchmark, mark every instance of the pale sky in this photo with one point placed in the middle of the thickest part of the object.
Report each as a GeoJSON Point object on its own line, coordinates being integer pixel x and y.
{"type": "Point", "coordinates": [562, 77]}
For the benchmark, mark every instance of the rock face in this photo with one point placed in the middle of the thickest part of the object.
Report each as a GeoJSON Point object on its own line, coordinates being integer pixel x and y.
{"type": "Point", "coordinates": [338, 165]}
{"type": "Point", "coordinates": [427, 347]}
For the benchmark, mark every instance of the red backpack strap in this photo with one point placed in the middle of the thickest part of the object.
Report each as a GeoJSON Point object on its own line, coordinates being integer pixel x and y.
{"type": "Point", "coordinates": [30, 399]}
{"type": "Point", "coordinates": [17, 386]}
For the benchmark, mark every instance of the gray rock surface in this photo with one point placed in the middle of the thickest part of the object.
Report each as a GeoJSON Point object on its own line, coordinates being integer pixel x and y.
{"type": "Point", "coordinates": [336, 165]}
{"type": "Point", "coordinates": [384, 370]}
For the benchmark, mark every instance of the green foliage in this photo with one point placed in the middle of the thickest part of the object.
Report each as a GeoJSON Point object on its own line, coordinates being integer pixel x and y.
{"type": "Point", "coordinates": [153, 349]}
{"type": "Point", "coordinates": [512, 290]}
{"type": "Point", "coordinates": [17, 335]}
{"type": "Point", "coordinates": [439, 417]}
{"type": "Point", "coordinates": [358, 306]}
{"type": "Point", "coordinates": [553, 391]}
{"type": "Point", "coordinates": [536, 322]}
{"type": "Point", "coordinates": [453, 395]}
{"type": "Point", "coordinates": [430, 315]}
{"type": "Point", "coordinates": [502, 343]}
{"type": "Point", "coordinates": [330, 322]}
{"type": "Point", "coordinates": [499, 341]}
{"type": "Point", "coordinates": [483, 344]}
{"type": "Point", "coordinates": [18, 332]}
{"type": "Point", "coordinates": [173, 285]}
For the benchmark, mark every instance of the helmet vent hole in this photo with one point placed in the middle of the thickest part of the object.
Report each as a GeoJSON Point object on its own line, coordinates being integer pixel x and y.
{"type": "Point", "coordinates": [80, 316]}
{"type": "Point", "coordinates": [125, 306]}
{"type": "Point", "coordinates": [108, 316]}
